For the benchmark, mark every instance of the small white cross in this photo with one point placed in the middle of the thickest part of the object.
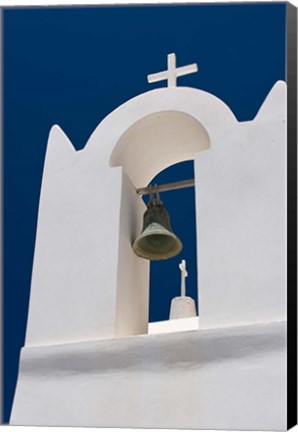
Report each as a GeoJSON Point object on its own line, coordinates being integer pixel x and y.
{"type": "Point", "coordinates": [172, 72]}
{"type": "Point", "coordinates": [184, 274]}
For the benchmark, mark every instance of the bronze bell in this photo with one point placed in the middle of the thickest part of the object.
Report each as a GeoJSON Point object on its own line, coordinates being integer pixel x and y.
{"type": "Point", "coordinates": [157, 240]}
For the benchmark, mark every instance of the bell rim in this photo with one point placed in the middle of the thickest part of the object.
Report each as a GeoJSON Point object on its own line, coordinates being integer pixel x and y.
{"type": "Point", "coordinates": [159, 230]}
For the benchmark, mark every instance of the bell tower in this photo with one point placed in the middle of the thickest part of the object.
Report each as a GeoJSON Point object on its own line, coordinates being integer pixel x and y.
{"type": "Point", "coordinates": [89, 291]}
{"type": "Point", "coordinates": [90, 215]}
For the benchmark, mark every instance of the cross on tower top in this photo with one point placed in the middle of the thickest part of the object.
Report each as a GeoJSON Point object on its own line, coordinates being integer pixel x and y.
{"type": "Point", "coordinates": [172, 72]}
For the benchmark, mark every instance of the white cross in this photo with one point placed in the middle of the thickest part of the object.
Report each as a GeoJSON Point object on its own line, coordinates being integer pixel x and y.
{"type": "Point", "coordinates": [172, 72]}
{"type": "Point", "coordinates": [184, 274]}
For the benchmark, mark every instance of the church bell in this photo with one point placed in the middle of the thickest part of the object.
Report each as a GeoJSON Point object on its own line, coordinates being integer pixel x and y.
{"type": "Point", "coordinates": [157, 240]}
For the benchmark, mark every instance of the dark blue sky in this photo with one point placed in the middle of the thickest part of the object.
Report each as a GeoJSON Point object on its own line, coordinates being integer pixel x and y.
{"type": "Point", "coordinates": [73, 66]}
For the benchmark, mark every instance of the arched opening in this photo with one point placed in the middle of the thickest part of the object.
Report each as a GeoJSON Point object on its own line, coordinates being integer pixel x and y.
{"type": "Point", "coordinates": [158, 141]}
{"type": "Point", "coordinates": [165, 275]}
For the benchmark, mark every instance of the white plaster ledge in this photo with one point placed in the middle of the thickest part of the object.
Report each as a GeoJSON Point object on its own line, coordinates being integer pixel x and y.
{"type": "Point", "coordinates": [195, 346]}
{"type": "Point", "coordinates": [231, 378]}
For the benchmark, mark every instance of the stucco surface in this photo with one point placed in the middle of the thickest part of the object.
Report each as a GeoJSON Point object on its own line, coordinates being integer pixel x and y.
{"type": "Point", "coordinates": [233, 378]}
{"type": "Point", "coordinates": [88, 215]}
{"type": "Point", "coordinates": [86, 360]}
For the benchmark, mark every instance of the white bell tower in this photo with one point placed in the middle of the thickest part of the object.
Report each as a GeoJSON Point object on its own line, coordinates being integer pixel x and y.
{"type": "Point", "coordinates": [88, 317]}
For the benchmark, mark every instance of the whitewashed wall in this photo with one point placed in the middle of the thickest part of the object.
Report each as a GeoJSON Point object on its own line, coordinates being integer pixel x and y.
{"type": "Point", "coordinates": [241, 220]}
{"type": "Point", "coordinates": [208, 379]}
{"type": "Point", "coordinates": [77, 266]}
{"type": "Point", "coordinates": [88, 287]}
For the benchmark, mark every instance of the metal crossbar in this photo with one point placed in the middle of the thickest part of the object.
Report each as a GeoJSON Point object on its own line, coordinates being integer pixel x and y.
{"type": "Point", "coordinates": [166, 187]}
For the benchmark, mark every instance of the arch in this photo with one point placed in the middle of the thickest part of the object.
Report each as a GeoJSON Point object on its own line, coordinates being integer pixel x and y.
{"type": "Point", "coordinates": [151, 144]}
{"type": "Point", "coordinates": [156, 142]}
{"type": "Point", "coordinates": [143, 137]}
{"type": "Point", "coordinates": [187, 104]}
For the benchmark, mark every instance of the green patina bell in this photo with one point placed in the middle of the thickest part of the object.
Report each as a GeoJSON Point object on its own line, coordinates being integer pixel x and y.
{"type": "Point", "coordinates": [157, 240]}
